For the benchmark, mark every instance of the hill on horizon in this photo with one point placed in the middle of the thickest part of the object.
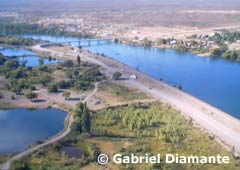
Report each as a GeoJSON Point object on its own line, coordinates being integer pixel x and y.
{"type": "Point", "coordinates": [117, 4]}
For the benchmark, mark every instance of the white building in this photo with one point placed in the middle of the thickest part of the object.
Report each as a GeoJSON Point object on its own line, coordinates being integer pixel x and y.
{"type": "Point", "coordinates": [173, 42]}
{"type": "Point", "coordinates": [133, 76]}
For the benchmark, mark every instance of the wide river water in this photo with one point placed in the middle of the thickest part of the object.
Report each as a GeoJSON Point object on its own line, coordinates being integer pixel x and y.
{"type": "Point", "coordinates": [215, 81]}
{"type": "Point", "coordinates": [19, 128]}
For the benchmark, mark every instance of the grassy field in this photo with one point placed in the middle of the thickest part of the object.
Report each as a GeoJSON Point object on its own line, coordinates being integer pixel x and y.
{"type": "Point", "coordinates": [2, 159]}
{"type": "Point", "coordinates": [4, 106]}
{"type": "Point", "coordinates": [113, 92]}
{"type": "Point", "coordinates": [138, 128]}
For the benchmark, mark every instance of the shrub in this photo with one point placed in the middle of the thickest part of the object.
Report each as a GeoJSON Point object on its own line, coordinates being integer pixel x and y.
{"type": "Point", "coordinates": [32, 87]}
{"type": "Point", "coordinates": [68, 63]}
{"type": "Point", "coordinates": [1, 95]}
{"type": "Point", "coordinates": [116, 76]}
{"type": "Point", "coordinates": [19, 165]}
{"type": "Point", "coordinates": [30, 95]}
{"type": "Point", "coordinates": [63, 85]}
{"type": "Point", "coordinates": [52, 88]}
{"type": "Point", "coordinates": [66, 95]}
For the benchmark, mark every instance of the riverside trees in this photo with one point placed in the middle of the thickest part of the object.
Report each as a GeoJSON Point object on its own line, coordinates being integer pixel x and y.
{"type": "Point", "coordinates": [82, 118]}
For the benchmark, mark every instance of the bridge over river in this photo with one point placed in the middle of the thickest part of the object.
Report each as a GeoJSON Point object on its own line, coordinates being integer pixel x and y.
{"type": "Point", "coordinates": [90, 42]}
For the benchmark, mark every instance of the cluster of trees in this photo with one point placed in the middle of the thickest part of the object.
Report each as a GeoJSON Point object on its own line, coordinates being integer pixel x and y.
{"type": "Point", "coordinates": [161, 122]}
{"type": "Point", "coordinates": [64, 84]}
{"type": "Point", "coordinates": [7, 28]}
{"type": "Point", "coordinates": [79, 81]}
{"type": "Point", "coordinates": [225, 36]}
{"type": "Point", "coordinates": [19, 165]}
{"type": "Point", "coordinates": [21, 77]}
{"type": "Point", "coordinates": [82, 118]}
{"type": "Point", "coordinates": [232, 55]}
{"type": "Point", "coordinates": [85, 81]}
{"type": "Point", "coordinates": [9, 40]}
{"type": "Point", "coordinates": [161, 41]}
{"type": "Point", "coordinates": [224, 52]}
{"type": "Point", "coordinates": [146, 42]}
{"type": "Point", "coordinates": [181, 47]}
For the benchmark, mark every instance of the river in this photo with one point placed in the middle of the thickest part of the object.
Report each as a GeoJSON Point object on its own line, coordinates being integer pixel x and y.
{"type": "Point", "coordinates": [215, 81]}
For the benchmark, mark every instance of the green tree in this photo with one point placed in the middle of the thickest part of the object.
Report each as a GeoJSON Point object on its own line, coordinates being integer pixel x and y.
{"type": "Point", "coordinates": [78, 60]}
{"type": "Point", "coordinates": [93, 151]}
{"type": "Point", "coordinates": [181, 47]}
{"type": "Point", "coordinates": [32, 87]}
{"type": "Point", "coordinates": [161, 41]}
{"type": "Point", "coordinates": [1, 95]}
{"type": "Point", "coordinates": [63, 84]}
{"type": "Point", "coordinates": [86, 121]}
{"type": "Point", "coordinates": [41, 61]}
{"type": "Point", "coordinates": [68, 63]}
{"type": "Point", "coordinates": [230, 54]}
{"type": "Point", "coordinates": [12, 64]}
{"type": "Point", "coordinates": [30, 95]}
{"type": "Point", "coordinates": [66, 95]}
{"type": "Point", "coordinates": [76, 126]}
{"type": "Point", "coordinates": [17, 89]}
{"type": "Point", "coordinates": [19, 165]}
{"type": "Point", "coordinates": [82, 116]}
{"type": "Point", "coordinates": [147, 42]}
{"type": "Point", "coordinates": [52, 88]}
{"type": "Point", "coordinates": [116, 76]}
{"type": "Point", "coordinates": [217, 52]}
{"type": "Point", "coordinates": [24, 63]}
{"type": "Point", "coordinates": [50, 58]}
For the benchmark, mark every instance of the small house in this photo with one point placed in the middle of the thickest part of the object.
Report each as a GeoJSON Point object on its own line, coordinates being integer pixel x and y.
{"type": "Point", "coordinates": [133, 76]}
{"type": "Point", "coordinates": [172, 42]}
